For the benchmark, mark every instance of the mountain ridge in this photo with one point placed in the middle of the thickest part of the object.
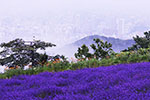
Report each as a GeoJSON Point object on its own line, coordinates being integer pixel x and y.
{"type": "Point", "coordinates": [117, 44]}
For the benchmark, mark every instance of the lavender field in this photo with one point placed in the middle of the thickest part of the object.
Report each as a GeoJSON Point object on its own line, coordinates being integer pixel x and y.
{"type": "Point", "coordinates": [117, 82]}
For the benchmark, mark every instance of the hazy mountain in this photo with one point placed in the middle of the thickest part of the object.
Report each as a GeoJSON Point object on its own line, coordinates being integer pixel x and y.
{"type": "Point", "coordinates": [117, 44]}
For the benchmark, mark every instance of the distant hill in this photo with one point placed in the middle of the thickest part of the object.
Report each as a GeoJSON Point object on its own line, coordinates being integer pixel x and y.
{"type": "Point", "coordinates": [117, 44]}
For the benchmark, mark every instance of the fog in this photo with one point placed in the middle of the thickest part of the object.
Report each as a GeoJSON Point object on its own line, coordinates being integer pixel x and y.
{"type": "Point", "coordinates": [103, 6]}
{"type": "Point", "coordinates": [65, 21]}
{"type": "Point", "coordinates": [70, 20]}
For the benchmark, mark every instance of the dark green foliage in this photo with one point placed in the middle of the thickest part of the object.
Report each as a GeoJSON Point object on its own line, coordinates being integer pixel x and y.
{"type": "Point", "coordinates": [101, 49]}
{"type": "Point", "coordinates": [59, 58]}
{"type": "Point", "coordinates": [143, 42]}
{"type": "Point", "coordinates": [43, 58]}
{"type": "Point", "coordinates": [83, 53]}
{"type": "Point", "coordinates": [60, 63]}
{"type": "Point", "coordinates": [64, 59]}
{"type": "Point", "coordinates": [140, 42]}
{"type": "Point", "coordinates": [142, 55]}
{"type": "Point", "coordinates": [20, 52]}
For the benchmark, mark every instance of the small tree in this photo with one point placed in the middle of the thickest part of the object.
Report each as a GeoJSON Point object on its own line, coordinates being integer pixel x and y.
{"type": "Point", "coordinates": [83, 52]}
{"type": "Point", "coordinates": [143, 42]}
{"type": "Point", "coordinates": [140, 42]}
{"type": "Point", "coordinates": [20, 52]}
{"type": "Point", "coordinates": [101, 49]}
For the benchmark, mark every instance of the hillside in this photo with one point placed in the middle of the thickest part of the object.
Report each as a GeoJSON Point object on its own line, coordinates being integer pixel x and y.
{"type": "Point", "coordinates": [117, 82]}
{"type": "Point", "coordinates": [117, 44]}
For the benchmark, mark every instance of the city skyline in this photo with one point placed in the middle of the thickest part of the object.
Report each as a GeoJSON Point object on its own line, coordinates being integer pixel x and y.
{"type": "Point", "coordinates": [72, 20]}
{"type": "Point", "coordinates": [74, 29]}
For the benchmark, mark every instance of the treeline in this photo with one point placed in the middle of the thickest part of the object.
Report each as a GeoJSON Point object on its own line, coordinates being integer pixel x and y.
{"type": "Point", "coordinates": [104, 49]}
{"type": "Point", "coordinates": [22, 53]}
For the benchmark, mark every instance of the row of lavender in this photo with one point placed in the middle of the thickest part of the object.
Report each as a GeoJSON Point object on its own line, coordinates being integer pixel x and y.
{"type": "Point", "coordinates": [121, 82]}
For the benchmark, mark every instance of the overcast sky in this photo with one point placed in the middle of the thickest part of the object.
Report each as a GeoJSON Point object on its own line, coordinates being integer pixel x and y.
{"type": "Point", "coordinates": [40, 6]}
{"type": "Point", "coordinates": [108, 8]}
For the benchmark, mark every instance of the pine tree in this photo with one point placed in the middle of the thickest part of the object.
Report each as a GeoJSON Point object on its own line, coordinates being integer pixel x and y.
{"type": "Point", "coordinates": [140, 42]}
{"type": "Point", "coordinates": [20, 52]}
{"type": "Point", "coordinates": [83, 52]}
{"type": "Point", "coordinates": [101, 49]}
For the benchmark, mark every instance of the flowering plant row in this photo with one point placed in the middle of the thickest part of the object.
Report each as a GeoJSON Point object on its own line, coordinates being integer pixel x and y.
{"type": "Point", "coordinates": [117, 82]}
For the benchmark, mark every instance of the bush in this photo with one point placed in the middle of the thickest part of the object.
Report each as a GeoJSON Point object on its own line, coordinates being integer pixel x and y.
{"type": "Point", "coordinates": [78, 65]}
{"type": "Point", "coordinates": [142, 55]}
{"type": "Point", "coordinates": [92, 63]}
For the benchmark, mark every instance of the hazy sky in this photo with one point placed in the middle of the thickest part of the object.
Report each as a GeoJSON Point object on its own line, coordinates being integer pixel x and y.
{"type": "Point", "coordinates": [40, 6]}
{"type": "Point", "coordinates": [30, 8]}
